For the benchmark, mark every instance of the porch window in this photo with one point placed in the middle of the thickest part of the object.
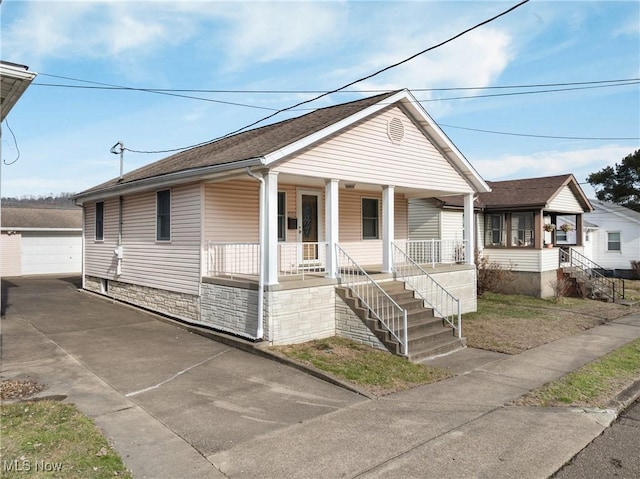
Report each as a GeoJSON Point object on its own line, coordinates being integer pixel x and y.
{"type": "Point", "coordinates": [614, 242]}
{"type": "Point", "coordinates": [100, 221]}
{"type": "Point", "coordinates": [163, 215]}
{"type": "Point", "coordinates": [282, 220]}
{"type": "Point", "coordinates": [494, 230]}
{"type": "Point", "coordinates": [370, 218]}
{"type": "Point", "coordinates": [522, 229]}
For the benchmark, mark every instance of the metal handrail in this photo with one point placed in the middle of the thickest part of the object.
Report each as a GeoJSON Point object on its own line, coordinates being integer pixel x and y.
{"type": "Point", "coordinates": [434, 251]}
{"type": "Point", "coordinates": [443, 303]}
{"type": "Point", "coordinates": [611, 287]}
{"type": "Point", "coordinates": [371, 295]}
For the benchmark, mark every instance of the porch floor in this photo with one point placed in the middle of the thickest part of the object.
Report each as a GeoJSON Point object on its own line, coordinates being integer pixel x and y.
{"type": "Point", "coordinates": [307, 280]}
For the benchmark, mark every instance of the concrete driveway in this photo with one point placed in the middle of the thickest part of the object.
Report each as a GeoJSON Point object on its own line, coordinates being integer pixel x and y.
{"type": "Point", "coordinates": [211, 395]}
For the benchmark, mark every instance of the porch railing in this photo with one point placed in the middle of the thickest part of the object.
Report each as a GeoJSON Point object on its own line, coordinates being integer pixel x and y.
{"type": "Point", "coordinates": [300, 259]}
{"type": "Point", "coordinates": [243, 259]}
{"type": "Point", "coordinates": [443, 303]}
{"type": "Point", "coordinates": [612, 288]}
{"type": "Point", "coordinates": [371, 295]}
{"type": "Point", "coordinates": [434, 251]}
{"type": "Point", "coordinates": [233, 259]}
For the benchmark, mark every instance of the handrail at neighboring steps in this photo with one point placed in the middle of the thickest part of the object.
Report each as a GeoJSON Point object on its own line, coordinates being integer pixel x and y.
{"type": "Point", "coordinates": [612, 288]}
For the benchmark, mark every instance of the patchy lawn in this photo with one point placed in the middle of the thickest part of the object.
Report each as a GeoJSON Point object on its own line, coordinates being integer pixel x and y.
{"type": "Point", "coordinates": [46, 439]}
{"type": "Point", "coordinates": [632, 289]}
{"type": "Point", "coordinates": [593, 385]}
{"type": "Point", "coordinates": [512, 323]}
{"type": "Point", "coordinates": [375, 371]}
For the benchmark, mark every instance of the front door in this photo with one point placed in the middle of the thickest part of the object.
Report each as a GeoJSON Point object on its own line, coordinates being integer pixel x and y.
{"type": "Point", "coordinates": [308, 225]}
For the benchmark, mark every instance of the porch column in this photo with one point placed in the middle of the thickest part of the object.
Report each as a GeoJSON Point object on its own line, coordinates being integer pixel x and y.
{"type": "Point", "coordinates": [331, 225]}
{"type": "Point", "coordinates": [469, 230]}
{"type": "Point", "coordinates": [388, 220]}
{"type": "Point", "coordinates": [269, 218]}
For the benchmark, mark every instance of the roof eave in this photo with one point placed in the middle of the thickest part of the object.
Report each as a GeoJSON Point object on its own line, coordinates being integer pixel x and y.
{"type": "Point", "coordinates": [169, 179]}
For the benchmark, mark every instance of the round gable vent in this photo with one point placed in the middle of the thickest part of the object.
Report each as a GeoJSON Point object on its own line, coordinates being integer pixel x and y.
{"type": "Point", "coordinates": [395, 130]}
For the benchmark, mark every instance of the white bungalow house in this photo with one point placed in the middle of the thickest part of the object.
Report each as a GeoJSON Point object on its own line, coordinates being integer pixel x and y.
{"type": "Point", "coordinates": [510, 226]}
{"type": "Point", "coordinates": [289, 232]}
{"type": "Point", "coordinates": [612, 239]}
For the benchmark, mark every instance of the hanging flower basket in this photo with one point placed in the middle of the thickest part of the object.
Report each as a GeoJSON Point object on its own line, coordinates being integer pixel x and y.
{"type": "Point", "coordinates": [566, 227]}
{"type": "Point", "coordinates": [549, 227]}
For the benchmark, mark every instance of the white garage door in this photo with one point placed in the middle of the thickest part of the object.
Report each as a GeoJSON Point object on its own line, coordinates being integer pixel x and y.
{"type": "Point", "coordinates": [49, 253]}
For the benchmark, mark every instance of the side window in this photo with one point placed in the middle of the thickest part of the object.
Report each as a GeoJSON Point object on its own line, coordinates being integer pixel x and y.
{"type": "Point", "coordinates": [99, 234]}
{"type": "Point", "coordinates": [370, 218]}
{"type": "Point", "coordinates": [163, 215]}
{"type": "Point", "coordinates": [614, 242]}
{"type": "Point", "coordinates": [282, 220]}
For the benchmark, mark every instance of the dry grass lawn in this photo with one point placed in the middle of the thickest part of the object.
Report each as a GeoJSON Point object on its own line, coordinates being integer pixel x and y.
{"type": "Point", "coordinates": [512, 324]}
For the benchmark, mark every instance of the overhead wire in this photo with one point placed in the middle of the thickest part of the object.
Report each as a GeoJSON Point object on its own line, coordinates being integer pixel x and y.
{"type": "Point", "coordinates": [15, 142]}
{"type": "Point", "coordinates": [327, 93]}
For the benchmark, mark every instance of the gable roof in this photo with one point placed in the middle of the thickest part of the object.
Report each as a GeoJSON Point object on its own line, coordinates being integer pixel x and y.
{"type": "Point", "coordinates": [21, 218]}
{"type": "Point", "coordinates": [523, 193]}
{"type": "Point", "coordinates": [618, 210]}
{"type": "Point", "coordinates": [267, 144]}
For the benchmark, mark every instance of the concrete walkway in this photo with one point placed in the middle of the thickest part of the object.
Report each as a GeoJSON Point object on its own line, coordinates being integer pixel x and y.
{"type": "Point", "coordinates": [205, 416]}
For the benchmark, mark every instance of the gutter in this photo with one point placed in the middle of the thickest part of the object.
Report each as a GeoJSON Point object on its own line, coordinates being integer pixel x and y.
{"type": "Point", "coordinates": [261, 279]}
{"type": "Point", "coordinates": [170, 179]}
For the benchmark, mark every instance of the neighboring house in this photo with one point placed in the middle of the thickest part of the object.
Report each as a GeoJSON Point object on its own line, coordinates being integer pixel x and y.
{"type": "Point", "coordinates": [613, 238]}
{"type": "Point", "coordinates": [41, 241]}
{"type": "Point", "coordinates": [249, 234]}
{"type": "Point", "coordinates": [509, 226]}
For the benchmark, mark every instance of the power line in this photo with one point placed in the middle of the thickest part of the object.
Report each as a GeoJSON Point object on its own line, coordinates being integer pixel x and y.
{"type": "Point", "coordinates": [367, 77]}
{"type": "Point", "coordinates": [106, 86]}
{"type": "Point", "coordinates": [539, 136]}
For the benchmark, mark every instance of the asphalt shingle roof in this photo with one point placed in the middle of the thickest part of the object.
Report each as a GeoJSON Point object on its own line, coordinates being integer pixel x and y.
{"type": "Point", "coordinates": [46, 218]}
{"type": "Point", "coordinates": [254, 143]}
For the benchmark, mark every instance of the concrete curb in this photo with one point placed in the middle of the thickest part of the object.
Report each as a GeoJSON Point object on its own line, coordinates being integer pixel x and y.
{"type": "Point", "coordinates": [623, 400]}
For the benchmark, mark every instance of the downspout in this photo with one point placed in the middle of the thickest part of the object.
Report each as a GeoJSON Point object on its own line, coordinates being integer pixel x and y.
{"type": "Point", "coordinates": [260, 330]}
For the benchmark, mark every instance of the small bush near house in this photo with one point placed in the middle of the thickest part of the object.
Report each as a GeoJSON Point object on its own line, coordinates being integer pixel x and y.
{"type": "Point", "coordinates": [561, 288]}
{"type": "Point", "coordinates": [491, 275]}
{"type": "Point", "coordinates": [635, 266]}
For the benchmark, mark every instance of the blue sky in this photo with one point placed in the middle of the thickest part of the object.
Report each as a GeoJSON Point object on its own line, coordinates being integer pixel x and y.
{"type": "Point", "coordinates": [64, 134]}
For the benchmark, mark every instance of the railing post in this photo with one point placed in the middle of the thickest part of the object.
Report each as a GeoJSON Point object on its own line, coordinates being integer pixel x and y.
{"type": "Point", "coordinates": [459, 321]}
{"type": "Point", "coordinates": [405, 338]}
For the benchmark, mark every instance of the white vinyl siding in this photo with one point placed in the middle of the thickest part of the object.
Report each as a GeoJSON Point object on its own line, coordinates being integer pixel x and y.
{"type": "Point", "coordinates": [10, 254]}
{"type": "Point", "coordinates": [173, 266]}
{"type": "Point", "coordinates": [451, 225]}
{"type": "Point", "coordinates": [99, 256]}
{"type": "Point", "coordinates": [565, 202]}
{"type": "Point", "coordinates": [232, 211]}
{"type": "Point", "coordinates": [524, 259]}
{"type": "Point", "coordinates": [424, 219]}
{"type": "Point", "coordinates": [363, 153]}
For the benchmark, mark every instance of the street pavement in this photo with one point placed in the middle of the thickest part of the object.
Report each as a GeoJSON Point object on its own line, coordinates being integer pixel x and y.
{"type": "Point", "coordinates": [176, 404]}
{"type": "Point", "coordinates": [615, 453]}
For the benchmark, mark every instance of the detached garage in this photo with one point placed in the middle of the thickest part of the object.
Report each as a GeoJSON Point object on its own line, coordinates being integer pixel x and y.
{"type": "Point", "coordinates": [40, 241]}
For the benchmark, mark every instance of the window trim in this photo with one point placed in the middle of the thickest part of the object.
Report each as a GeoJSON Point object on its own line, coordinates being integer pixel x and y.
{"type": "Point", "coordinates": [160, 218]}
{"type": "Point", "coordinates": [376, 219]}
{"type": "Point", "coordinates": [99, 237]}
{"type": "Point", "coordinates": [619, 250]}
{"type": "Point", "coordinates": [488, 227]}
{"type": "Point", "coordinates": [532, 239]}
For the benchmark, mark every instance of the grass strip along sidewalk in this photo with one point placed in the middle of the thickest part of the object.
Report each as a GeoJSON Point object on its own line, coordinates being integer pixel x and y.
{"type": "Point", "coordinates": [593, 385]}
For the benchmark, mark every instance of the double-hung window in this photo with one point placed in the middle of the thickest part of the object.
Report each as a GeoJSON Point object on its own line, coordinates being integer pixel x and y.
{"type": "Point", "coordinates": [370, 218]}
{"type": "Point", "coordinates": [99, 221]}
{"type": "Point", "coordinates": [163, 215]}
{"type": "Point", "coordinates": [614, 241]}
{"type": "Point", "coordinates": [522, 229]}
{"type": "Point", "coordinates": [494, 230]}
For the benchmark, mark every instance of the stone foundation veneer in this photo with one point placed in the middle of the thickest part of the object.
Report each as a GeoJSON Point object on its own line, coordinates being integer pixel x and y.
{"type": "Point", "coordinates": [230, 308]}
{"type": "Point", "coordinates": [178, 305]}
{"type": "Point", "coordinates": [349, 325]}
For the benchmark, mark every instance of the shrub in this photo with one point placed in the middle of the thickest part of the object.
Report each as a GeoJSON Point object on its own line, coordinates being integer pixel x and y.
{"type": "Point", "coordinates": [491, 275]}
